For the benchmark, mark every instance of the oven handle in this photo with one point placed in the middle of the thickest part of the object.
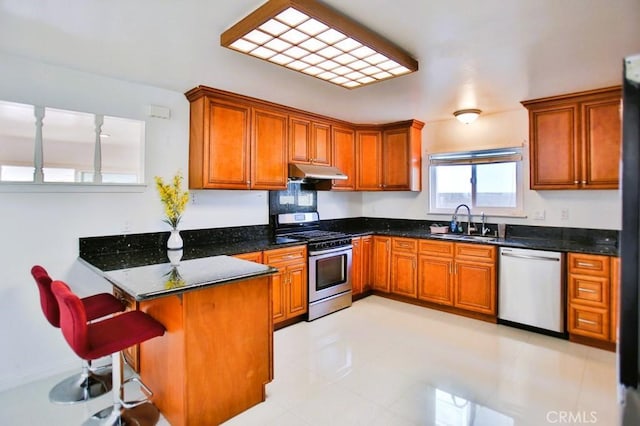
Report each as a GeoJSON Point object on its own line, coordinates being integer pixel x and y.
{"type": "Point", "coordinates": [331, 250]}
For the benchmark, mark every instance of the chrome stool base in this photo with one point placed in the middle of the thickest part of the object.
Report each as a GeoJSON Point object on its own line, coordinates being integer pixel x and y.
{"type": "Point", "coordinates": [81, 387]}
{"type": "Point", "coordinates": [143, 415]}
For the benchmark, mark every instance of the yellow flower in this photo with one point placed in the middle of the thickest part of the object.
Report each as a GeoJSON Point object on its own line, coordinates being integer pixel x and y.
{"type": "Point", "coordinates": [173, 199]}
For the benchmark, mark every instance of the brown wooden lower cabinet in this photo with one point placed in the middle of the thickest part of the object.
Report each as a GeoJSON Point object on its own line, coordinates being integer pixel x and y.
{"type": "Point", "coordinates": [216, 356]}
{"type": "Point", "coordinates": [289, 285]}
{"type": "Point", "coordinates": [367, 247]}
{"type": "Point", "coordinates": [592, 298]}
{"type": "Point", "coordinates": [380, 268]}
{"type": "Point", "coordinates": [357, 282]}
{"type": "Point", "coordinates": [458, 275]}
{"type": "Point", "coordinates": [404, 266]}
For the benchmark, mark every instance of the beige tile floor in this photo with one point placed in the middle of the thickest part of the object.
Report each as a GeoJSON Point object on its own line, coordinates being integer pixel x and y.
{"type": "Point", "coordinates": [382, 362]}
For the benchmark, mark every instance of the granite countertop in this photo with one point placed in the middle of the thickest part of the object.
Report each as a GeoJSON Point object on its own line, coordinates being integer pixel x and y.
{"type": "Point", "coordinates": [126, 252]}
{"type": "Point", "coordinates": [157, 280]}
{"type": "Point", "coordinates": [133, 258]}
{"type": "Point", "coordinates": [608, 249]}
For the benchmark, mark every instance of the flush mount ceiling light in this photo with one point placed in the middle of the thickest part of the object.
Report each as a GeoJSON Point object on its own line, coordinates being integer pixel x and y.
{"type": "Point", "coordinates": [309, 37]}
{"type": "Point", "coordinates": [467, 116]}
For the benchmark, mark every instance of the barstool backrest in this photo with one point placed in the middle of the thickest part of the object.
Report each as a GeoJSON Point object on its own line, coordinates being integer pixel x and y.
{"type": "Point", "coordinates": [48, 301]}
{"type": "Point", "coordinates": [73, 318]}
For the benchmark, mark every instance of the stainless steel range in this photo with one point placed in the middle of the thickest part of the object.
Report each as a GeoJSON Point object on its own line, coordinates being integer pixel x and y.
{"type": "Point", "coordinates": [329, 261]}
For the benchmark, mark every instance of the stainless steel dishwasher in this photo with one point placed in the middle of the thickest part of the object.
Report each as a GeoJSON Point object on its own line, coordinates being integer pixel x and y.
{"type": "Point", "coordinates": [530, 289]}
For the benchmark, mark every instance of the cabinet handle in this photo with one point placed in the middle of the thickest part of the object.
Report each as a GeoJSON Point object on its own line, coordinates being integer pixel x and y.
{"type": "Point", "coordinates": [586, 264]}
{"type": "Point", "coordinates": [587, 321]}
{"type": "Point", "coordinates": [576, 182]}
{"type": "Point", "coordinates": [584, 182]}
{"type": "Point", "coordinates": [586, 290]}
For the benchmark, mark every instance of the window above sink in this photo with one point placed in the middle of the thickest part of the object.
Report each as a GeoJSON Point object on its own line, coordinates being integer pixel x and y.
{"type": "Point", "coordinates": [488, 180]}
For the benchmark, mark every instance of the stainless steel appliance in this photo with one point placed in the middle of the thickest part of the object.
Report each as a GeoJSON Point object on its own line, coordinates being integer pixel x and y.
{"type": "Point", "coordinates": [329, 261]}
{"type": "Point", "coordinates": [530, 289]}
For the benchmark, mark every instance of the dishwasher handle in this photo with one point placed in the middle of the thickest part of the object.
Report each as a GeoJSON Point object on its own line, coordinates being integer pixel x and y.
{"type": "Point", "coordinates": [528, 256]}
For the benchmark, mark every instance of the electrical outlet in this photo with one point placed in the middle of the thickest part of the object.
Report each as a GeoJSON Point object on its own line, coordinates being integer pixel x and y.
{"type": "Point", "coordinates": [192, 196]}
{"type": "Point", "coordinates": [126, 226]}
{"type": "Point", "coordinates": [539, 215]}
{"type": "Point", "coordinates": [564, 214]}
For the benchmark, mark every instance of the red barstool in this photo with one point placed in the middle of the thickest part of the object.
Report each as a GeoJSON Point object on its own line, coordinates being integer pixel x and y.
{"type": "Point", "coordinates": [97, 339]}
{"type": "Point", "coordinates": [87, 384]}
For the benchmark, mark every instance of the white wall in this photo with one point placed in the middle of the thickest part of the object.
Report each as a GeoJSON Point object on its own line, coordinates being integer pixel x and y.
{"type": "Point", "coordinates": [43, 228]}
{"type": "Point", "coordinates": [598, 209]}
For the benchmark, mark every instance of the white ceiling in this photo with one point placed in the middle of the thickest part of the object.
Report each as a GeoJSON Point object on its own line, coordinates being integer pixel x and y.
{"type": "Point", "coordinates": [488, 54]}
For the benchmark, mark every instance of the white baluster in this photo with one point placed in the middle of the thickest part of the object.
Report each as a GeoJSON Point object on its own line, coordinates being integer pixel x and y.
{"type": "Point", "coordinates": [38, 175]}
{"type": "Point", "coordinates": [97, 154]}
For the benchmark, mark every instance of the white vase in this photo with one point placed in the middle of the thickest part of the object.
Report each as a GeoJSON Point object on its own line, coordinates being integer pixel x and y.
{"type": "Point", "coordinates": [175, 240]}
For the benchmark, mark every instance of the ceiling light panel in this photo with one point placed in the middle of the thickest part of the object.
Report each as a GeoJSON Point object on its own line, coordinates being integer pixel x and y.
{"type": "Point", "coordinates": [310, 37]}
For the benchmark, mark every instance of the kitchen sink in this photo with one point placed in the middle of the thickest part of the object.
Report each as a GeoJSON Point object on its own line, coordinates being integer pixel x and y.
{"type": "Point", "coordinates": [464, 237]}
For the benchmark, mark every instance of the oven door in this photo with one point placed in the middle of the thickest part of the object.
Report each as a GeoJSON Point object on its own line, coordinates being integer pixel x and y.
{"type": "Point", "coordinates": [329, 272]}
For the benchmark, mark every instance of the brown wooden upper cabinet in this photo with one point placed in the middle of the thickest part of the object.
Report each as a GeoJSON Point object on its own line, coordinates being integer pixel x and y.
{"type": "Point", "coordinates": [238, 142]}
{"type": "Point", "coordinates": [389, 157]}
{"type": "Point", "coordinates": [309, 141]}
{"type": "Point", "coordinates": [234, 144]}
{"type": "Point", "coordinates": [344, 156]}
{"type": "Point", "coordinates": [575, 140]}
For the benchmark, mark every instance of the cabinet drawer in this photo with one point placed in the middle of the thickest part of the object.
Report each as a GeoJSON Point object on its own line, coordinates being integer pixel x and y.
{"type": "Point", "coordinates": [477, 252]}
{"type": "Point", "coordinates": [255, 256]}
{"type": "Point", "coordinates": [404, 244]}
{"type": "Point", "coordinates": [589, 264]}
{"type": "Point", "coordinates": [589, 322]}
{"type": "Point", "coordinates": [588, 290]}
{"type": "Point", "coordinates": [436, 248]}
{"type": "Point", "coordinates": [288, 254]}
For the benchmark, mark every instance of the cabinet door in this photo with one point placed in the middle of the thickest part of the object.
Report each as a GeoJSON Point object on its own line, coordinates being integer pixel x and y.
{"type": "Point", "coordinates": [475, 286]}
{"type": "Point", "coordinates": [344, 157]}
{"type": "Point", "coordinates": [225, 152]}
{"type": "Point", "coordinates": [380, 267]}
{"type": "Point", "coordinates": [435, 282]}
{"type": "Point", "coordinates": [396, 165]}
{"type": "Point", "coordinates": [278, 291]}
{"type": "Point", "coordinates": [299, 140]}
{"type": "Point", "coordinates": [367, 243]}
{"type": "Point", "coordinates": [356, 267]}
{"type": "Point", "coordinates": [320, 144]}
{"type": "Point", "coordinates": [296, 290]}
{"type": "Point", "coordinates": [615, 288]}
{"type": "Point", "coordinates": [369, 160]}
{"type": "Point", "coordinates": [404, 273]}
{"type": "Point", "coordinates": [554, 148]}
{"type": "Point", "coordinates": [601, 144]}
{"type": "Point", "coordinates": [269, 150]}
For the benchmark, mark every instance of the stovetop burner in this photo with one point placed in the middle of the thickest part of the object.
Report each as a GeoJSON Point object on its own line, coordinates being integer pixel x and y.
{"type": "Point", "coordinates": [304, 227]}
{"type": "Point", "coordinates": [316, 235]}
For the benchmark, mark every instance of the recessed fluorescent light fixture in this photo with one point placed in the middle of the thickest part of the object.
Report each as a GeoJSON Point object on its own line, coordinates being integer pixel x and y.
{"type": "Point", "coordinates": [307, 36]}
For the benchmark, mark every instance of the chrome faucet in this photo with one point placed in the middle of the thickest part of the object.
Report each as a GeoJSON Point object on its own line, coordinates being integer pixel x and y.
{"type": "Point", "coordinates": [455, 216]}
{"type": "Point", "coordinates": [484, 230]}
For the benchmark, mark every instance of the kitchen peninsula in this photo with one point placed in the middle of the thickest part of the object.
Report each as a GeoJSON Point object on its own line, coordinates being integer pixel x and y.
{"type": "Point", "coordinates": [217, 354]}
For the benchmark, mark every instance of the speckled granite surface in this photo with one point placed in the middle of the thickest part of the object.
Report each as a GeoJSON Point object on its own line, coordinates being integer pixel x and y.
{"type": "Point", "coordinates": [152, 281]}
{"type": "Point", "coordinates": [125, 251]}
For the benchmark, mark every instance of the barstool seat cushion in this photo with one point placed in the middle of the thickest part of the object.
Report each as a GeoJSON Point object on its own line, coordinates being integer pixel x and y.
{"type": "Point", "coordinates": [96, 306]}
{"type": "Point", "coordinates": [95, 340]}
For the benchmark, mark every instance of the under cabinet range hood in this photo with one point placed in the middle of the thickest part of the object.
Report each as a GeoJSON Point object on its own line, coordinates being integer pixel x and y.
{"type": "Point", "coordinates": [315, 172]}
